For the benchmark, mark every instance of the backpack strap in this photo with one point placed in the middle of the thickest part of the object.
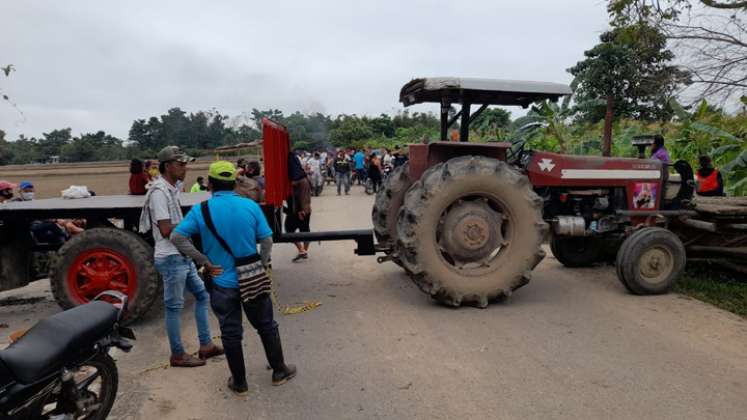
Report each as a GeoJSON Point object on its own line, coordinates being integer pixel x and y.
{"type": "Point", "coordinates": [211, 227]}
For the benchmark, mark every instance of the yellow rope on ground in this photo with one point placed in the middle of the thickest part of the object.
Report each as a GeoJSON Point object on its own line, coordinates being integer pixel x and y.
{"type": "Point", "coordinates": [289, 309]}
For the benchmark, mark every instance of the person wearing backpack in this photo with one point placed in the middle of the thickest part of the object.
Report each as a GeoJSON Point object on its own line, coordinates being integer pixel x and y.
{"type": "Point", "coordinates": [230, 226]}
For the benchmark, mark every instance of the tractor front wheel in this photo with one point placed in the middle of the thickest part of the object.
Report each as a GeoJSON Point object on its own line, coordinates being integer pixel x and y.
{"type": "Point", "coordinates": [470, 231]}
{"type": "Point", "coordinates": [650, 261]}
{"type": "Point", "coordinates": [103, 259]}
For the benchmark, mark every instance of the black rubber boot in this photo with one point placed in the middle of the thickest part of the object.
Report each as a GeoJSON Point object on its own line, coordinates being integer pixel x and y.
{"type": "Point", "coordinates": [281, 373]}
{"type": "Point", "coordinates": [235, 358]}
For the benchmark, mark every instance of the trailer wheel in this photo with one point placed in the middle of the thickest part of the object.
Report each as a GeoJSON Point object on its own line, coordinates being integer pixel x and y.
{"type": "Point", "coordinates": [389, 199]}
{"type": "Point", "coordinates": [650, 261]}
{"type": "Point", "coordinates": [470, 231]}
{"type": "Point", "coordinates": [576, 251]}
{"type": "Point", "coordinates": [105, 259]}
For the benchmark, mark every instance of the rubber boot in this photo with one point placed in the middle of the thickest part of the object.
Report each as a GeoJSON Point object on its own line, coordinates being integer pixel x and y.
{"type": "Point", "coordinates": [235, 358]}
{"type": "Point", "coordinates": [281, 373]}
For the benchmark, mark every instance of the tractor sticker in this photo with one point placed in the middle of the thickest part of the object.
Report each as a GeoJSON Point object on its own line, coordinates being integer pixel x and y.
{"type": "Point", "coordinates": [644, 195]}
{"type": "Point", "coordinates": [546, 164]}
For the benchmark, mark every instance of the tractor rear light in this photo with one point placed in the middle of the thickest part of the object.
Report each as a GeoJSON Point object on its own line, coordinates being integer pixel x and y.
{"type": "Point", "coordinates": [563, 198]}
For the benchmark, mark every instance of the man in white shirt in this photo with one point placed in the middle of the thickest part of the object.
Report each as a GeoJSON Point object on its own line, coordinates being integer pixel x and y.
{"type": "Point", "coordinates": [315, 165]}
{"type": "Point", "coordinates": [161, 213]}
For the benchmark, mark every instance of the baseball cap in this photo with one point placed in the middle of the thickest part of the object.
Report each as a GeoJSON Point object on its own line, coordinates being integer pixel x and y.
{"type": "Point", "coordinates": [170, 153]}
{"type": "Point", "coordinates": [5, 185]}
{"type": "Point", "coordinates": [25, 184]}
{"type": "Point", "coordinates": [222, 170]}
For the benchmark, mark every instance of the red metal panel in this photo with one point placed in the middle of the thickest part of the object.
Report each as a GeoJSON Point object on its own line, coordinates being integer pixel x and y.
{"type": "Point", "coordinates": [418, 160]}
{"type": "Point", "coordinates": [276, 147]}
{"type": "Point", "coordinates": [423, 156]}
{"type": "Point", "coordinates": [636, 175]}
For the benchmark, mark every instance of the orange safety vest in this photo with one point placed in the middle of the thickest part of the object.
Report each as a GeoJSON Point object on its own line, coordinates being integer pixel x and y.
{"type": "Point", "coordinates": [708, 183]}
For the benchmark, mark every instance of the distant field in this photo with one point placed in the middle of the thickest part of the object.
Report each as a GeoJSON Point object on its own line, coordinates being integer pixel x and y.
{"type": "Point", "coordinates": [105, 178]}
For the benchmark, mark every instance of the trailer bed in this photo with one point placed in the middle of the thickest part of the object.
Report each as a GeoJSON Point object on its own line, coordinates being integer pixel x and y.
{"type": "Point", "coordinates": [112, 206]}
{"type": "Point", "coordinates": [722, 206]}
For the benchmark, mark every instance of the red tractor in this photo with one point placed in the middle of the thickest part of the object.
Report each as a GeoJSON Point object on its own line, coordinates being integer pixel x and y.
{"type": "Point", "coordinates": [467, 221]}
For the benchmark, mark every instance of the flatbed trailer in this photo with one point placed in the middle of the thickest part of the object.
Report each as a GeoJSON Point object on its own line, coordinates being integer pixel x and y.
{"type": "Point", "coordinates": [110, 253]}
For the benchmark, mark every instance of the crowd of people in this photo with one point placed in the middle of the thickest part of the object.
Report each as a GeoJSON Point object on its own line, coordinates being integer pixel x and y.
{"type": "Point", "coordinates": [346, 167]}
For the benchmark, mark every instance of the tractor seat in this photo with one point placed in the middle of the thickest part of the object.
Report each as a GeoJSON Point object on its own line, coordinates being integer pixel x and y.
{"type": "Point", "coordinates": [57, 340]}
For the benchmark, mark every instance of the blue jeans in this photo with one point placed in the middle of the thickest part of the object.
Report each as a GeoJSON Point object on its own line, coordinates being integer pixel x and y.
{"type": "Point", "coordinates": [342, 179]}
{"type": "Point", "coordinates": [178, 273]}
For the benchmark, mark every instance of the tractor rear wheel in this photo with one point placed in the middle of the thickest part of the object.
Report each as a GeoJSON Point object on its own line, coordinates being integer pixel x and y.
{"type": "Point", "coordinates": [102, 259]}
{"type": "Point", "coordinates": [650, 261]}
{"type": "Point", "coordinates": [575, 251]}
{"type": "Point", "coordinates": [470, 231]}
{"type": "Point", "coordinates": [389, 199]}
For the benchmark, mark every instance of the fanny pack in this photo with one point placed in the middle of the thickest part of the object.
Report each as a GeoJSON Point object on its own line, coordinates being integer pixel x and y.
{"type": "Point", "coordinates": [253, 278]}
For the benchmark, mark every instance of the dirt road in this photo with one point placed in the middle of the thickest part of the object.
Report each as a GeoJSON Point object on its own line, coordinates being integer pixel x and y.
{"type": "Point", "coordinates": [570, 345]}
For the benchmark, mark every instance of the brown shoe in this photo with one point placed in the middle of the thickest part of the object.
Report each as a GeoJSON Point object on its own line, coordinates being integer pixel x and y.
{"type": "Point", "coordinates": [186, 360]}
{"type": "Point", "coordinates": [211, 350]}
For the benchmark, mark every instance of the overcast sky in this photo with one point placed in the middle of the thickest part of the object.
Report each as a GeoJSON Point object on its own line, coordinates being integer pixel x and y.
{"type": "Point", "coordinates": [98, 65]}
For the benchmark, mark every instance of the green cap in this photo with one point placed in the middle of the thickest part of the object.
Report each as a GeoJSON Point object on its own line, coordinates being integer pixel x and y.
{"type": "Point", "coordinates": [223, 170]}
{"type": "Point", "coordinates": [171, 153]}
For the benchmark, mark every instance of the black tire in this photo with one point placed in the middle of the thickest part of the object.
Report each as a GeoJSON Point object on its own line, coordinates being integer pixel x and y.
{"type": "Point", "coordinates": [106, 380]}
{"type": "Point", "coordinates": [651, 261]}
{"type": "Point", "coordinates": [134, 253]}
{"type": "Point", "coordinates": [388, 201]}
{"type": "Point", "coordinates": [107, 370]}
{"type": "Point", "coordinates": [500, 220]}
{"type": "Point", "coordinates": [576, 251]}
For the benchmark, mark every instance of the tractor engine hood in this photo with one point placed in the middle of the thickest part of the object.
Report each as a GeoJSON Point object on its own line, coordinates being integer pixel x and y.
{"type": "Point", "coordinates": [553, 169]}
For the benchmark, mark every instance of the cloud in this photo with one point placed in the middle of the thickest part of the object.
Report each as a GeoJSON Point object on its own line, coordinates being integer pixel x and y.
{"type": "Point", "coordinates": [94, 65]}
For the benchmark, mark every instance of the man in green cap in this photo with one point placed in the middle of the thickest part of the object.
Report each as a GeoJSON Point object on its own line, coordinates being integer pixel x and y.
{"type": "Point", "coordinates": [161, 213]}
{"type": "Point", "coordinates": [230, 226]}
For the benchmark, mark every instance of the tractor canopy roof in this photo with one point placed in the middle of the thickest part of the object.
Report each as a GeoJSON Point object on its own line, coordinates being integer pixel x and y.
{"type": "Point", "coordinates": [448, 90]}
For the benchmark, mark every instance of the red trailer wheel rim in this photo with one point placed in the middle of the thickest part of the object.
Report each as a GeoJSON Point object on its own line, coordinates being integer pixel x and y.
{"type": "Point", "coordinates": [100, 269]}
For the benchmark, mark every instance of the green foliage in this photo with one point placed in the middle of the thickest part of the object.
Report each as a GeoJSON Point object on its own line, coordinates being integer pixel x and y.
{"type": "Point", "coordinates": [492, 123]}
{"type": "Point", "coordinates": [201, 130]}
{"type": "Point", "coordinates": [383, 131]}
{"type": "Point", "coordinates": [632, 65]}
{"type": "Point", "coordinates": [6, 154]}
{"type": "Point", "coordinates": [711, 283]}
{"type": "Point", "coordinates": [93, 147]}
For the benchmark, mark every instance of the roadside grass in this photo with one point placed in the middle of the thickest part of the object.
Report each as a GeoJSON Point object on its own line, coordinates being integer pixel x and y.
{"type": "Point", "coordinates": [720, 288]}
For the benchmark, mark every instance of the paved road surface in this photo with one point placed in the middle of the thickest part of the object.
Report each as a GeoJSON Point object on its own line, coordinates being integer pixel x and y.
{"type": "Point", "coordinates": [570, 345]}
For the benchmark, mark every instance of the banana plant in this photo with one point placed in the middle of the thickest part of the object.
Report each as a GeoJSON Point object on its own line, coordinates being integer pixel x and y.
{"type": "Point", "coordinates": [698, 135]}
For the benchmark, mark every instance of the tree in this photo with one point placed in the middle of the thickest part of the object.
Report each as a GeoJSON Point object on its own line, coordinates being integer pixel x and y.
{"type": "Point", "coordinates": [630, 71]}
{"type": "Point", "coordinates": [25, 150]}
{"type": "Point", "coordinates": [347, 129]}
{"type": "Point", "coordinates": [53, 142]}
{"type": "Point", "coordinates": [93, 147]}
{"type": "Point", "coordinates": [708, 35]}
{"type": "Point", "coordinates": [145, 134]}
{"type": "Point", "coordinates": [6, 153]}
{"type": "Point", "coordinates": [492, 122]}
{"type": "Point", "coordinates": [257, 115]}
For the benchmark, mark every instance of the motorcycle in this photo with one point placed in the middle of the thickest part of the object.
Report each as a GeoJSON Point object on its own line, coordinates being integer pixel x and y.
{"type": "Point", "coordinates": [60, 369]}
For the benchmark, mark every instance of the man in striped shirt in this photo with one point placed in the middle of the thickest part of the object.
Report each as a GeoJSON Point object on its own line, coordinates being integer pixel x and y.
{"type": "Point", "coordinates": [241, 224]}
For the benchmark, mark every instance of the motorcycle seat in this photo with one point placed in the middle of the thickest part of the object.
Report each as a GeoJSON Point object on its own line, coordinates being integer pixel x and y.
{"type": "Point", "coordinates": [58, 340]}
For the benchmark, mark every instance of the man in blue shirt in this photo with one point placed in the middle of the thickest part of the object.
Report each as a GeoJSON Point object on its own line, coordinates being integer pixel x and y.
{"type": "Point", "coordinates": [241, 224]}
{"type": "Point", "coordinates": [360, 164]}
